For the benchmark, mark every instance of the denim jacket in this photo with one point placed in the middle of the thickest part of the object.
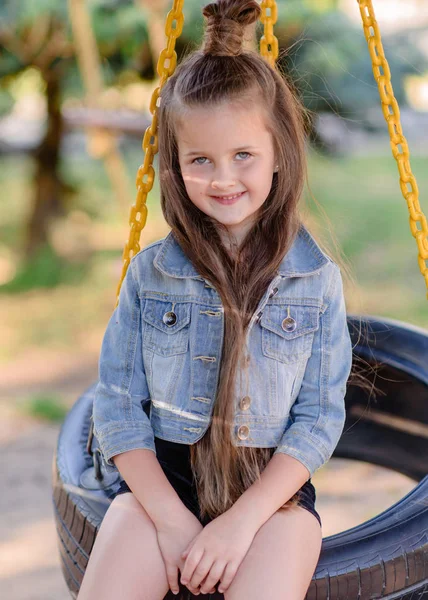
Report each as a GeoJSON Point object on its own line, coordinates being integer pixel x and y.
{"type": "Point", "coordinates": [160, 357]}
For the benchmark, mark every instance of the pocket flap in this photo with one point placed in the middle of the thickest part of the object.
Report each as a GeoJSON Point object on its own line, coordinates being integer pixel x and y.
{"type": "Point", "coordinates": [305, 319]}
{"type": "Point", "coordinates": [155, 311]}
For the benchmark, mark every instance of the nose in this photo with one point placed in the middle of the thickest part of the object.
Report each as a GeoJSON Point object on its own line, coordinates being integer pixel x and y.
{"type": "Point", "coordinates": [223, 180]}
{"type": "Point", "coordinates": [222, 185]}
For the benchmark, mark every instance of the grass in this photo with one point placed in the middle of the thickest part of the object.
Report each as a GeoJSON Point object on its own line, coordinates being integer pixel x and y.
{"type": "Point", "coordinates": [363, 200]}
{"type": "Point", "coordinates": [45, 407]}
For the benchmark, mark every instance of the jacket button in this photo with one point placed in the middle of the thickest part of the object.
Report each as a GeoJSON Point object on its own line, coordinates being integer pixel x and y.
{"type": "Point", "coordinates": [243, 432]}
{"type": "Point", "coordinates": [245, 402]}
{"type": "Point", "coordinates": [288, 324]}
{"type": "Point", "coordinates": [169, 318]}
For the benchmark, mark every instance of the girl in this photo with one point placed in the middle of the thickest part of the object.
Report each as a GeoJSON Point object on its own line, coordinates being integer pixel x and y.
{"type": "Point", "coordinates": [223, 369]}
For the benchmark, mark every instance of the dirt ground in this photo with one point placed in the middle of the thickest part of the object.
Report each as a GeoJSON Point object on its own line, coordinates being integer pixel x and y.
{"type": "Point", "coordinates": [348, 492]}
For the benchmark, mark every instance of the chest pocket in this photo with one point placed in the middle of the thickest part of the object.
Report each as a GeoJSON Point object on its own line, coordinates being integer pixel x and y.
{"type": "Point", "coordinates": [167, 326]}
{"type": "Point", "coordinates": [288, 331]}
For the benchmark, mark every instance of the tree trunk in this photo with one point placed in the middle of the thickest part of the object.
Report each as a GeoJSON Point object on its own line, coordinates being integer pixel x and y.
{"type": "Point", "coordinates": [157, 11]}
{"type": "Point", "coordinates": [47, 183]}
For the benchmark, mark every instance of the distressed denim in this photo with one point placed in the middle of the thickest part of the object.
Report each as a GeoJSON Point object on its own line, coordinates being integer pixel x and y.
{"type": "Point", "coordinates": [161, 351]}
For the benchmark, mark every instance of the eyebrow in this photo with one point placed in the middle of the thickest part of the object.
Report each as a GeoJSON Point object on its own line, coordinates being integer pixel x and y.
{"type": "Point", "coordinates": [198, 152]}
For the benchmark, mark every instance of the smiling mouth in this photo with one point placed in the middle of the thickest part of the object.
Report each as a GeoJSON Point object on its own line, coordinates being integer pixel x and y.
{"type": "Point", "coordinates": [228, 199]}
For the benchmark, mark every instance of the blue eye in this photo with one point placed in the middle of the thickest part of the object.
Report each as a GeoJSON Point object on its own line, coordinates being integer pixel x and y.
{"type": "Point", "coordinates": [194, 160]}
{"type": "Point", "coordinates": [204, 157]}
{"type": "Point", "coordinates": [244, 153]}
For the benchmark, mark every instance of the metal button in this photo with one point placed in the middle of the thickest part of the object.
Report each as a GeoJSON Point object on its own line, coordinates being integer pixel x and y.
{"type": "Point", "coordinates": [169, 318]}
{"type": "Point", "coordinates": [288, 324]}
{"type": "Point", "coordinates": [245, 402]}
{"type": "Point", "coordinates": [243, 432]}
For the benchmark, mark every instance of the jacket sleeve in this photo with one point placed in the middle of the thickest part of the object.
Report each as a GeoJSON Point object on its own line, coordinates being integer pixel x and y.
{"type": "Point", "coordinates": [318, 413]}
{"type": "Point", "coordinates": [120, 423]}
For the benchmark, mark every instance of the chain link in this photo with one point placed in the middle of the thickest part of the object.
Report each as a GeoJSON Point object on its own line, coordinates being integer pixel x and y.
{"type": "Point", "coordinates": [268, 42]}
{"type": "Point", "coordinates": [166, 67]}
{"type": "Point", "coordinates": [400, 150]}
{"type": "Point", "coordinates": [146, 174]}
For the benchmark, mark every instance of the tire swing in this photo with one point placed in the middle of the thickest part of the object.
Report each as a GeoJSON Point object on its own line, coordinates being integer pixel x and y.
{"type": "Point", "coordinates": [385, 557]}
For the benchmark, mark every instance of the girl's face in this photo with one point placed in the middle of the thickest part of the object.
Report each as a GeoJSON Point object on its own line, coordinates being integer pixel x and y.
{"type": "Point", "coordinates": [225, 151]}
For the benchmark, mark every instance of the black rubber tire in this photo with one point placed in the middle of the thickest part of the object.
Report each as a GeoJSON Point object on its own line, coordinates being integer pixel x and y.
{"type": "Point", "coordinates": [385, 557]}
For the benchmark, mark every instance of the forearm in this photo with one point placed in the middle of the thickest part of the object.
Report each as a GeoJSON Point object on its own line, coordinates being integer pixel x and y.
{"type": "Point", "coordinates": [145, 477]}
{"type": "Point", "coordinates": [280, 480]}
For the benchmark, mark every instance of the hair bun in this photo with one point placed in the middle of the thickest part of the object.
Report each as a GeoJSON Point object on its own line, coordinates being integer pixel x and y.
{"type": "Point", "coordinates": [226, 23]}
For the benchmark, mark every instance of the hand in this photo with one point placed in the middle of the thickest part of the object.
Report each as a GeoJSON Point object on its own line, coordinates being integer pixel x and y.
{"type": "Point", "coordinates": [216, 552]}
{"type": "Point", "coordinates": [173, 536]}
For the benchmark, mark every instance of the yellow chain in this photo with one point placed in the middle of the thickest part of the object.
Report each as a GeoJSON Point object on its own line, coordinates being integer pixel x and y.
{"type": "Point", "coordinates": [391, 112]}
{"type": "Point", "coordinates": [268, 39]}
{"type": "Point", "coordinates": [166, 67]}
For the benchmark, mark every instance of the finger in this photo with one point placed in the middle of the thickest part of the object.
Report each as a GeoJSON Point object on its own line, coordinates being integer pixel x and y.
{"type": "Point", "coordinates": [191, 563]}
{"type": "Point", "coordinates": [186, 550]}
{"type": "Point", "coordinates": [201, 571]}
{"type": "Point", "coordinates": [229, 574]}
{"type": "Point", "coordinates": [172, 577]}
{"type": "Point", "coordinates": [213, 576]}
{"type": "Point", "coordinates": [194, 591]}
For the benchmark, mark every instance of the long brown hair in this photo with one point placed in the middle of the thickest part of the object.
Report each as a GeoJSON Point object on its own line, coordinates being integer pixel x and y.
{"type": "Point", "coordinates": [221, 70]}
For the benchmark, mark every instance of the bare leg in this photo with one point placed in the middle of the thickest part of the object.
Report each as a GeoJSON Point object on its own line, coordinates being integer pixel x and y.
{"type": "Point", "coordinates": [125, 561]}
{"type": "Point", "coordinates": [281, 560]}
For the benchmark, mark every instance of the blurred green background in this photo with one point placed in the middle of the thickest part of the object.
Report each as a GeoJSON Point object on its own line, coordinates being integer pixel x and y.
{"type": "Point", "coordinates": [66, 195]}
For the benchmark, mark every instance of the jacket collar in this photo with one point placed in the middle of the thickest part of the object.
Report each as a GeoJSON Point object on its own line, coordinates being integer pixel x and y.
{"type": "Point", "coordinates": [305, 257]}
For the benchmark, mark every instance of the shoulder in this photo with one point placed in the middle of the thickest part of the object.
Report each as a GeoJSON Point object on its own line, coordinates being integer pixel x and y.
{"type": "Point", "coordinates": [306, 258]}
{"type": "Point", "coordinates": [145, 257]}
{"type": "Point", "coordinates": [327, 270]}
{"type": "Point", "coordinates": [151, 248]}
{"type": "Point", "coordinates": [313, 246]}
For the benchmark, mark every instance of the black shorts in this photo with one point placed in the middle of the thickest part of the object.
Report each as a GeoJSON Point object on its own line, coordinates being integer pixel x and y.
{"type": "Point", "coordinates": [174, 459]}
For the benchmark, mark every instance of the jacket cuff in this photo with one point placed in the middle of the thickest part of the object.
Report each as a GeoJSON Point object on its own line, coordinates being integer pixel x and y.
{"type": "Point", "coordinates": [304, 447]}
{"type": "Point", "coordinates": [112, 439]}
